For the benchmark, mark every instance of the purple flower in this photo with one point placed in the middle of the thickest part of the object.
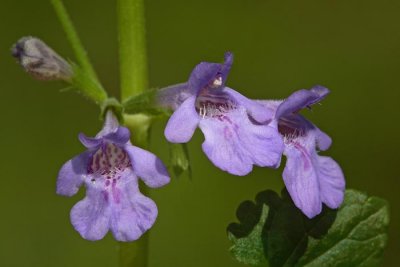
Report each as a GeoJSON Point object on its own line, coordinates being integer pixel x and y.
{"type": "Point", "coordinates": [236, 130]}
{"type": "Point", "coordinates": [310, 179]}
{"type": "Point", "coordinates": [110, 169]}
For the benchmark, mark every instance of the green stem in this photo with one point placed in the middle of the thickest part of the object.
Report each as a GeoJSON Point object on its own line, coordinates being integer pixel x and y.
{"type": "Point", "coordinates": [88, 86]}
{"type": "Point", "coordinates": [135, 254]}
{"type": "Point", "coordinates": [132, 47]}
{"type": "Point", "coordinates": [85, 77]}
{"type": "Point", "coordinates": [134, 80]}
{"type": "Point", "coordinates": [73, 38]}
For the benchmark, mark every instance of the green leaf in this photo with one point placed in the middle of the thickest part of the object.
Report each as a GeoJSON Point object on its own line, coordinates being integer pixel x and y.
{"type": "Point", "coordinates": [250, 250]}
{"type": "Point", "coordinates": [179, 159]}
{"type": "Point", "coordinates": [144, 103]}
{"type": "Point", "coordinates": [355, 235]}
{"type": "Point", "coordinates": [357, 238]}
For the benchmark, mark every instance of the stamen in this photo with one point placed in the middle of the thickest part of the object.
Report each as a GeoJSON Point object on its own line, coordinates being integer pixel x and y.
{"type": "Point", "coordinates": [214, 105]}
{"type": "Point", "coordinates": [290, 130]}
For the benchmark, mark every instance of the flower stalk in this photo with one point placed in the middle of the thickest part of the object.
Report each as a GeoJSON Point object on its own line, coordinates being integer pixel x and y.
{"type": "Point", "coordinates": [133, 81]}
{"type": "Point", "coordinates": [132, 47]}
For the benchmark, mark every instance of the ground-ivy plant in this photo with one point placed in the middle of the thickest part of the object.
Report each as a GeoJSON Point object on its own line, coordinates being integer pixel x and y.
{"type": "Point", "coordinates": [315, 222]}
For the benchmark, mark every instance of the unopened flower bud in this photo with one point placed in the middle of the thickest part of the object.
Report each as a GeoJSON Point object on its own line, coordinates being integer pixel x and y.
{"type": "Point", "coordinates": [39, 60]}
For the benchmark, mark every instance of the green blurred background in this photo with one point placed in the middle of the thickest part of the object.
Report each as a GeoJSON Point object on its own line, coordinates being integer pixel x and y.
{"type": "Point", "coordinates": [352, 47]}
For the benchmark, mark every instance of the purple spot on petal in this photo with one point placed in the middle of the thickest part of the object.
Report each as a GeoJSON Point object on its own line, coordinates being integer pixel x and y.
{"type": "Point", "coordinates": [227, 133]}
{"type": "Point", "coordinates": [109, 161]}
{"type": "Point", "coordinates": [304, 155]}
{"type": "Point", "coordinates": [115, 192]}
{"type": "Point", "coordinates": [105, 196]}
{"type": "Point", "coordinates": [226, 118]}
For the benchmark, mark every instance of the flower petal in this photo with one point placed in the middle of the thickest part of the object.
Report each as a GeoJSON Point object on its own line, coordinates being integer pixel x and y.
{"type": "Point", "coordinates": [205, 73]}
{"type": "Point", "coordinates": [147, 166]}
{"type": "Point", "coordinates": [202, 75]}
{"type": "Point", "coordinates": [110, 124]}
{"type": "Point", "coordinates": [332, 183]}
{"type": "Point", "coordinates": [120, 137]}
{"type": "Point", "coordinates": [91, 216]}
{"type": "Point", "coordinates": [173, 96]}
{"type": "Point", "coordinates": [234, 144]}
{"type": "Point", "coordinates": [320, 90]}
{"type": "Point", "coordinates": [70, 177]}
{"type": "Point", "coordinates": [226, 67]}
{"type": "Point", "coordinates": [323, 140]}
{"type": "Point", "coordinates": [183, 122]}
{"type": "Point", "coordinates": [256, 110]}
{"type": "Point", "coordinates": [301, 178]}
{"type": "Point", "coordinates": [312, 179]}
{"type": "Point", "coordinates": [133, 215]}
{"type": "Point", "coordinates": [301, 99]}
{"type": "Point", "coordinates": [111, 131]}
{"type": "Point", "coordinates": [89, 142]}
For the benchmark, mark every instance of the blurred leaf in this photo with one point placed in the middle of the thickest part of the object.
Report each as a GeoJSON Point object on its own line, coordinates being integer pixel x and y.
{"type": "Point", "coordinates": [179, 159]}
{"type": "Point", "coordinates": [144, 103]}
{"type": "Point", "coordinates": [355, 235]}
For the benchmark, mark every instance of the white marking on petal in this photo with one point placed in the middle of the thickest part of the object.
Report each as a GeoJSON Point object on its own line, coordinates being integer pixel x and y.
{"type": "Point", "coordinates": [217, 82]}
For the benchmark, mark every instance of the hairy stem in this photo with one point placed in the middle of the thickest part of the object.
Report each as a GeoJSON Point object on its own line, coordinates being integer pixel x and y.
{"type": "Point", "coordinates": [73, 37]}
{"type": "Point", "coordinates": [132, 47]}
{"type": "Point", "coordinates": [85, 77]}
{"type": "Point", "coordinates": [134, 80]}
